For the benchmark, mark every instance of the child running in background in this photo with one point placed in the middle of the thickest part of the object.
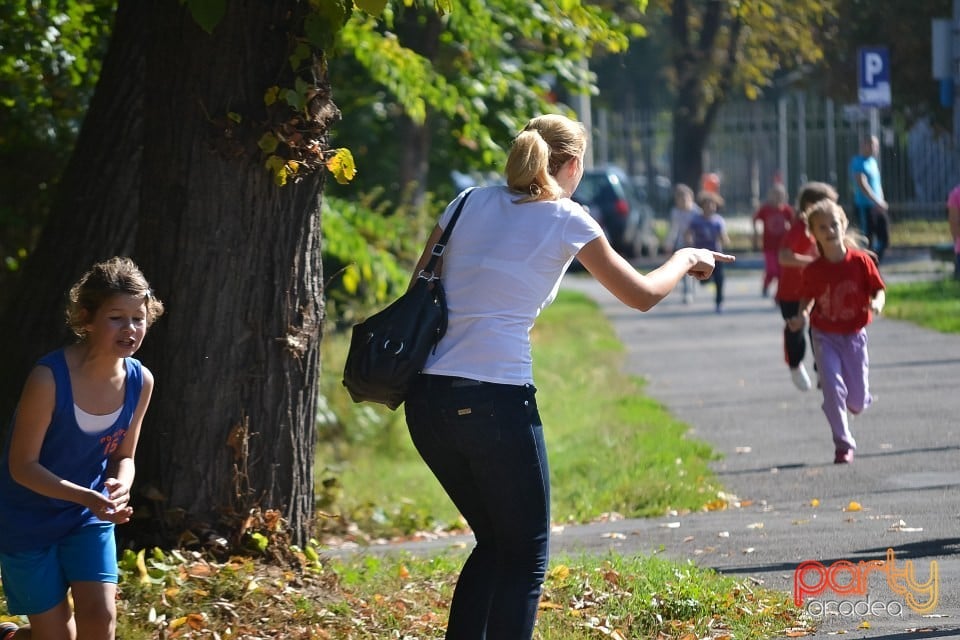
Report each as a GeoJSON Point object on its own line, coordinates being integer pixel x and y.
{"type": "Point", "coordinates": [775, 216]}
{"type": "Point", "coordinates": [841, 291]}
{"type": "Point", "coordinates": [797, 250]}
{"type": "Point", "coordinates": [709, 231]}
{"type": "Point", "coordinates": [684, 210]}
{"type": "Point", "coordinates": [67, 469]}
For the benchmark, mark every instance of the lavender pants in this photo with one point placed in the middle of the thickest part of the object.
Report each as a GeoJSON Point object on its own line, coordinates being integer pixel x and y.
{"type": "Point", "coordinates": [843, 365]}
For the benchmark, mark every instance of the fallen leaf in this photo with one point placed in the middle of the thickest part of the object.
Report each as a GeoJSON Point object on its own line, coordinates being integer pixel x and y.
{"type": "Point", "coordinates": [559, 572]}
{"type": "Point", "coordinates": [864, 625]}
{"type": "Point", "coordinates": [716, 505]}
{"type": "Point", "coordinates": [853, 506]}
{"type": "Point", "coordinates": [902, 526]}
{"type": "Point", "coordinates": [814, 502]}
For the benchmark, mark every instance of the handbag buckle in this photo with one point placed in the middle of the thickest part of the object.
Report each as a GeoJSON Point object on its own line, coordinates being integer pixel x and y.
{"type": "Point", "coordinates": [388, 342]}
{"type": "Point", "coordinates": [429, 278]}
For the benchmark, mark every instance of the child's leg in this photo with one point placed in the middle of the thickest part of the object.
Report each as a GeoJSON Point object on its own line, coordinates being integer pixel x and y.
{"type": "Point", "coordinates": [771, 268]}
{"type": "Point", "coordinates": [95, 609]}
{"type": "Point", "coordinates": [829, 349]}
{"type": "Point", "coordinates": [89, 561]}
{"type": "Point", "coordinates": [34, 586]}
{"type": "Point", "coordinates": [718, 281]}
{"type": "Point", "coordinates": [856, 369]}
{"type": "Point", "coordinates": [794, 342]}
{"type": "Point", "coordinates": [54, 624]}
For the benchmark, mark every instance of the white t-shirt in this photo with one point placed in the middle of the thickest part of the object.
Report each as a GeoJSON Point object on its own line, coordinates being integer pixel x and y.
{"type": "Point", "coordinates": [501, 268]}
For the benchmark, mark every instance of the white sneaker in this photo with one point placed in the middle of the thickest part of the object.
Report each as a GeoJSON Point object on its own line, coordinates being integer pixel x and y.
{"type": "Point", "coordinates": [800, 378]}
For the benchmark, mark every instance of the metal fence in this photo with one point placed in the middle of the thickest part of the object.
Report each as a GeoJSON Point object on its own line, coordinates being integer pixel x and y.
{"type": "Point", "coordinates": [793, 139]}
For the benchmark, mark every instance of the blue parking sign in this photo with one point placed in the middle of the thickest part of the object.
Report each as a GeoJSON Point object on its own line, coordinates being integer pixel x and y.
{"type": "Point", "coordinates": [873, 76]}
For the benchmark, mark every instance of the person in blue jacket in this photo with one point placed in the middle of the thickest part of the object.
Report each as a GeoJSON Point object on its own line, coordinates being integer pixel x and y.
{"type": "Point", "coordinates": [67, 467]}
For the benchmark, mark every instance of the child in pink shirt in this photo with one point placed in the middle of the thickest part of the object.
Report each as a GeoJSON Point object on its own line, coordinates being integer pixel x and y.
{"type": "Point", "coordinates": [953, 212]}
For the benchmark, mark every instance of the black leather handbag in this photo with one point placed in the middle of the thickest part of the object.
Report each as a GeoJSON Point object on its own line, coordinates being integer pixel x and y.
{"type": "Point", "coordinates": [389, 349]}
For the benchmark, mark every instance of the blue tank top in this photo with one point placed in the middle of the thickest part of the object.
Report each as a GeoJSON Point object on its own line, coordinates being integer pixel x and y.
{"type": "Point", "coordinates": [34, 521]}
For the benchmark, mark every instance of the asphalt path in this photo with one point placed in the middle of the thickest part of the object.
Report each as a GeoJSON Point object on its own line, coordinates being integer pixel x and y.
{"type": "Point", "coordinates": [787, 503]}
{"type": "Point", "coordinates": [724, 375]}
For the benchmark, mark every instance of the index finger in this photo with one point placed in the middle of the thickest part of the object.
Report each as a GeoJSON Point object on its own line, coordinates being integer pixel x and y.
{"type": "Point", "coordinates": [723, 257]}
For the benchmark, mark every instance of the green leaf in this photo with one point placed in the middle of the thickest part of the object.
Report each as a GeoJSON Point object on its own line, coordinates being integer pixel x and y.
{"type": "Point", "coordinates": [207, 13]}
{"type": "Point", "coordinates": [268, 142]}
{"type": "Point", "coordinates": [373, 7]}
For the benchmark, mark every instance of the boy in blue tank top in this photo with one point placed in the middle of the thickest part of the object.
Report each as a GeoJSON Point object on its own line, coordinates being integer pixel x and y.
{"type": "Point", "coordinates": [67, 467]}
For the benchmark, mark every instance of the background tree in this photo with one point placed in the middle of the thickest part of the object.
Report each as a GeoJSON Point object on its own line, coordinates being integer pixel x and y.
{"type": "Point", "coordinates": [721, 49]}
{"type": "Point", "coordinates": [50, 55]}
{"type": "Point", "coordinates": [93, 211]}
{"type": "Point", "coordinates": [437, 90]}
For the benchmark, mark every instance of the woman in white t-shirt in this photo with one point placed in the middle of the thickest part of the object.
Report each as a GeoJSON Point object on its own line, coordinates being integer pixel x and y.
{"type": "Point", "coordinates": [472, 414]}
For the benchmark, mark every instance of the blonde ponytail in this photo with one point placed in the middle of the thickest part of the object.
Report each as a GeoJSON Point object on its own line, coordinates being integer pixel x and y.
{"type": "Point", "coordinates": [537, 154]}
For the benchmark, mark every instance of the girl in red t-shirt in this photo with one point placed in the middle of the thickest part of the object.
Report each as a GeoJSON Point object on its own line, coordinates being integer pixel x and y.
{"type": "Point", "coordinates": [775, 217]}
{"type": "Point", "coordinates": [797, 250]}
{"type": "Point", "coordinates": [841, 291]}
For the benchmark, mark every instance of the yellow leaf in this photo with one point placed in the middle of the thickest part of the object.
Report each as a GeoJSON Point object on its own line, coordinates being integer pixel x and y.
{"type": "Point", "coordinates": [864, 625]}
{"type": "Point", "coordinates": [403, 572]}
{"type": "Point", "coordinates": [142, 567]}
{"type": "Point", "coordinates": [559, 572]}
{"type": "Point", "coordinates": [342, 166]}
{"type": "Point", "coordinates": [854, 506]}
{"type": "Point", "coordinates": [716, 505]}
{"type": "Point", "coordinates": [814, 502]}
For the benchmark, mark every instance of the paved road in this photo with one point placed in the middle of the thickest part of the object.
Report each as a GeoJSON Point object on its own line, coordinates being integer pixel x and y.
{"type": "Point", "coordinates": [724, 376]}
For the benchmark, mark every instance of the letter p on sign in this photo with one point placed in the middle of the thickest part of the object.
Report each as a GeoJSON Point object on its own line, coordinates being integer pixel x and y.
{"type": "Point", "coordinates": [873, 76]}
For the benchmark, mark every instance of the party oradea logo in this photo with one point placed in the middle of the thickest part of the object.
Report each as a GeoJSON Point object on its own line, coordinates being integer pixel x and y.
{"type": "Point", "coordinates": [814, 582]}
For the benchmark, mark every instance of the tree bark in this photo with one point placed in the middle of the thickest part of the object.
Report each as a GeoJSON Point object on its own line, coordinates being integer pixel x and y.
{"type": "Point", "coordinates": [694, 62]}
{"type": "Point", "coordinates": [236, 259]}
{"type": "Point", "coordinates": [94, 215]}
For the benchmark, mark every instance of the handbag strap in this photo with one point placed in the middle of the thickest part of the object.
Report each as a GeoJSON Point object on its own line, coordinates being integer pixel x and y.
{"type": "Point", "coordinates": [441, 244]}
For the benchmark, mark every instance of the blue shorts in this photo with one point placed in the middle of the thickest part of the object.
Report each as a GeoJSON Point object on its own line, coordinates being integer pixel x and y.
{"type": "Point", "coordinates": [36, 581]}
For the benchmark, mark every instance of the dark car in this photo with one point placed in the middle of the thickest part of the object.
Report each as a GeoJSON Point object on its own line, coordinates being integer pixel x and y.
{"type": "Point", "coordinates": [612, 199]}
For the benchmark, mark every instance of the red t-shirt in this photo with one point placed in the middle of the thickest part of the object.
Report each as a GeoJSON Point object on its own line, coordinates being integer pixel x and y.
{"type": "Point", "coordinates": [776, 221]}
{"type": "Point", "coordinates": [797, 241]}
{"type": "Point", "coordinates": [842, 291]}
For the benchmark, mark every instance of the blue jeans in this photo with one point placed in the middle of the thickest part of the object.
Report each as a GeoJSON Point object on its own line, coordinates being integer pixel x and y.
{"type": "Point", "coordinates": [484, 443]}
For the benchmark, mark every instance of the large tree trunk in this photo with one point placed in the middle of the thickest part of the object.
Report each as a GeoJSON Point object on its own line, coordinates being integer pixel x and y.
{"type": "Point", "coordinates": [95, 213]}
{"type": "Point", "coordinates": [236, 259]}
